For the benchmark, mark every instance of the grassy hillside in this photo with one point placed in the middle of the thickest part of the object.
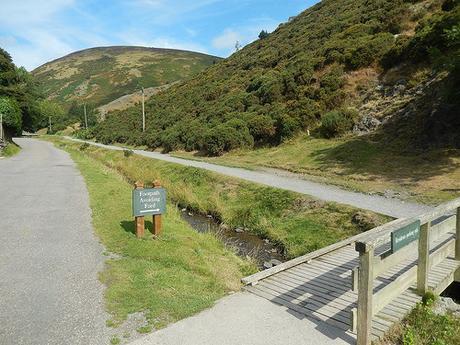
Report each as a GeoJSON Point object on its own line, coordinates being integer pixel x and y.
{"type": "Point", "coordinates": [328, 70]}
{"type": "Point", "coordinates": [100, 75]}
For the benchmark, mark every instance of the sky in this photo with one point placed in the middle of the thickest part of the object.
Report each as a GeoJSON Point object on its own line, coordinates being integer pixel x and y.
{"type": "Point", "coordinates": [37, 31]}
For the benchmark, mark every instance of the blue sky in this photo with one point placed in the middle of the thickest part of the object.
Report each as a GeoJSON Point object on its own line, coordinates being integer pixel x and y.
{"type": "Point", "coordinates": [36, 31]}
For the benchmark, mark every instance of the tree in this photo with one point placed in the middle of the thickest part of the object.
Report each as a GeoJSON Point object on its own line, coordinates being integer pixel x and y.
{"type": "Point", "coordinates": [237, 46]}
{"type": "Point", "coordinates": [11, 112]}
{"type": "Point", "coordinates": [53, 112]}
{"type": "Point", "coordinates": [263, 34]}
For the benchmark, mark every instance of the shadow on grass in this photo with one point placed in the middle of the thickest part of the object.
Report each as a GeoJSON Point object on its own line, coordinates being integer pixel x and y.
{"type": "Point", "coordinates": [375, 160]}
{"type": "Point", "coordinates": [129, 226]}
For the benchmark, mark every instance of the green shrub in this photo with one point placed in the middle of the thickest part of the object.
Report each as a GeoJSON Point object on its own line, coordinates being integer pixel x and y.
{"type": "Point", "coordinates": [128, 153]}
{"type": "Point", "coordinates": [12, 119]}
{"type": "Point", "coordinates": [337, 122]}
{"type": "Point", "coordinates": [84, 146]}
{"type": "Point", "coordinates": [229, 136]}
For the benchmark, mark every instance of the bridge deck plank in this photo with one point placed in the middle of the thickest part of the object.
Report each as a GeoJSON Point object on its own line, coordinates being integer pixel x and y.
{"type": "Point", "coordinates": [321, 288]}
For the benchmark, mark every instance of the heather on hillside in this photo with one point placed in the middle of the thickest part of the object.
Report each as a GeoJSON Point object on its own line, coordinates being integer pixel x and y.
{"type": "Point", "coordinates": [296, 78]}
{"type": "Point", "coordinates": [97, 76]}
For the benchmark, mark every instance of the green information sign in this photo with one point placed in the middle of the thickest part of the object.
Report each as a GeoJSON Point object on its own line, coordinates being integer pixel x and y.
{"type": "Point", "coordinates": [148, 202]}
{"type": "Point", "coordinates": [404, 236]}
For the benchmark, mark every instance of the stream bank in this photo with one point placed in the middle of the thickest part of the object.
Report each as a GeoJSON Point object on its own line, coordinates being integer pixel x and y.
{"type": "Point", "coordinates": [245, 244]}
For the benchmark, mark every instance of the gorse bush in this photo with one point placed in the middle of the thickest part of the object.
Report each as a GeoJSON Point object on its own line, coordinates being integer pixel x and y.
{"type": "Point", "coordinates": [290, 80]}
{"type": "Point", "coordinates": [338, 122]}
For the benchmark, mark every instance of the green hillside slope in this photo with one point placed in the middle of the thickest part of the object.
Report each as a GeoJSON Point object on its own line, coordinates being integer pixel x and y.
{"type": "Point", "coordinates": [100, 75]}
{"type": "Point", "coordinates": [323, 71]}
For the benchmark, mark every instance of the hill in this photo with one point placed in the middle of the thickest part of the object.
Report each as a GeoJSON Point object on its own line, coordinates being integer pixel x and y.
{"type": "Point", "coordinates": [338, 66]}
{"type": "Point", "coordinates": [100, 75]}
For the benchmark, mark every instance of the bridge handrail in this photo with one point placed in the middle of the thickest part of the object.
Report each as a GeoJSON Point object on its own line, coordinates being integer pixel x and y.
{"type": "Point", "coordinates": [371, 266]}
{"type": "Point", "coordinates": [381, 236]}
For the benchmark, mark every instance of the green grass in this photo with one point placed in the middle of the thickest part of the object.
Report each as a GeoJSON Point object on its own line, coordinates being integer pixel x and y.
{"type": "Point", "coordinates": [424, 327]}
{"type": "Point", "coordinates": [10, 150]}
{"type": "Point", "coordinates": [168, 279]}
{"type": "Point", "coordinates": [358, 164]}
{"type": "Point", "coordinates": [295, 222]}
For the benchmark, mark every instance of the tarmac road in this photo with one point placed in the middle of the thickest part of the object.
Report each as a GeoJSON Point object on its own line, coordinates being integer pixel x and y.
{"type": "Point", "coordinates": [49, 256]}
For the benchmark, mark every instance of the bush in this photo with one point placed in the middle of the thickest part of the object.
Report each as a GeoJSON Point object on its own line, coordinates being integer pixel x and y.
{"type": "Point", "coordinates": [128, 153]}
{"type": "Point", "coordinates": [229, 136]}
{"type": "Point", "coordinates": [337, 122]}
{"type": "Point", "coordinates": [12, 119]}
{"type": "Point", "coordinates": [84, 147]}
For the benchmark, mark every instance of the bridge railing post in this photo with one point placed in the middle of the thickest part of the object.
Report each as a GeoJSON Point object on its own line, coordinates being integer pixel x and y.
{"type": "Point", "coordinates": [423, 258]}
{"type": "Point", "coordinates": [365, 293]}
{"type": "Point", "coordinates": [457, 237]}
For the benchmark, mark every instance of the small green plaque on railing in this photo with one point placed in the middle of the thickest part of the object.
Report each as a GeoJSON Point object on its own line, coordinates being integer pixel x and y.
{"type": "Point", "coordinates": [404, 236]}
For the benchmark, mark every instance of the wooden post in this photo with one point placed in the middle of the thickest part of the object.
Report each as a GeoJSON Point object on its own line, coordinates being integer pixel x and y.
{"type": "Point", "coordinates": [156, 218]}
{"type": "Point", "coordinates": [365, 294]}
{"type": "Point", "coordinates": [423, 259]}
{"type": "Point", "coordinates": [140, 222]}
{"type": "Point", "coordinates": [457, 240]}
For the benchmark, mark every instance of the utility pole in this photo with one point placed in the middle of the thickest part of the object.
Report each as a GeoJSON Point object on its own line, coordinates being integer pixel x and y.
{"type": "Point", "coordinates": [143, 110]}
{"type": "Point", "coordinates": [1, 127]}
{"type": "Point", "coordinates": [49, 120]}
{"type": "Point", "coordinates": [86, 118]}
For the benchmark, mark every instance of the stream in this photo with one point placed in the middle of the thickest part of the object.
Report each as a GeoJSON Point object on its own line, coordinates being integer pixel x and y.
{"type": "Point", "coordinates": [245, 244]}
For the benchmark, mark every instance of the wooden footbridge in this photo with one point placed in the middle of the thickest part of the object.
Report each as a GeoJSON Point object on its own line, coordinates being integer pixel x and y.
{"type": "Point", "coordinates": [366, 284]}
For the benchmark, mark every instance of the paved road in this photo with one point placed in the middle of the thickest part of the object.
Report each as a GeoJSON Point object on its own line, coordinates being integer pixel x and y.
{"type": "Point", "coordinates": [245, 319]}
{"type": "Point", "coordinates": [388, 206]}
{"type": "Point", "coordinates": [49, 257]}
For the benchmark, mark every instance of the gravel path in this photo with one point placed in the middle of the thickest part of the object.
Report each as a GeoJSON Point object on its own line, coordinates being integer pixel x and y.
{"type": "Point", "coordinates": [388, 206]}
{"type": "Point", "coordinates": [49, 257]}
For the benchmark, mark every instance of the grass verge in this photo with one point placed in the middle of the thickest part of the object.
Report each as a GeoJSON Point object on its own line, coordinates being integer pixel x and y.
{"type": "Point", "coordinates": [294, 221]}
{"type": "Point", "coordinates": [168, 279]}
{"type": "Point", "coordinates": [424, 327]}
{"type": "Point", "coordinates": [358, 164]}
{"type": "Point", "coordinates": [10, 150]}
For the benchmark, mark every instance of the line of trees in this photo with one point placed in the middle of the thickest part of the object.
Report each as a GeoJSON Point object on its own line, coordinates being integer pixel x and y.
{"type": "Point", "coordinates": [22, 105]}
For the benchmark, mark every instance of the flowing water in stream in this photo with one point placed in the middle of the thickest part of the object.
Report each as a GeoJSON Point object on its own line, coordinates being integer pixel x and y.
{"type": "Point", "coordinates": [242, 242]}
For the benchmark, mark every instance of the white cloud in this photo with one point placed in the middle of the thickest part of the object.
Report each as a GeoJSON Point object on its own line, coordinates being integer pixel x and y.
{"type": "Point", "coordinates": [227, 39]}
{"type": "Point", "coordinates": [29, 12]}
{"type": "Point", "coordinates": [137, 38]}
{"type": "Point", "coordinates": [34, 32]}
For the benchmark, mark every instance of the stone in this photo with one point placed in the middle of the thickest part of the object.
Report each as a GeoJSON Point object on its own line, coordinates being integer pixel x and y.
{"type": "Point", "coordinates": [239, 230]}
{"type": "Point", "coordinates": [267, 265]}
{"type": "Point", "coordinates": [366, 124]}
{"type": "Point", "coordinates": [275, 262]}
{"type": "Point", "coordinates": [446, 304]}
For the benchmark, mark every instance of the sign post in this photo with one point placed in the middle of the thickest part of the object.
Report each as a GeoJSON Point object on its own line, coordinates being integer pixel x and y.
{"type": "Point", "coordinates": [156, 217]}
{"type": "Point", "coordinates": [139, 220]}
{"type": "Point", "coordinates": [149, 201]}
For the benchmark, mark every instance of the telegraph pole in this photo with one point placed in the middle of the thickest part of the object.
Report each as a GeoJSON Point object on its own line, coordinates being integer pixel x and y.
{"type": "Point", "coordinates": [49, 120]}
{"type": "Point", "coordinates": [143, 110]}
{"type": "Point", "coordinates": [86, 118]}
{"type": "Point", "coordinates": [1, 127]}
